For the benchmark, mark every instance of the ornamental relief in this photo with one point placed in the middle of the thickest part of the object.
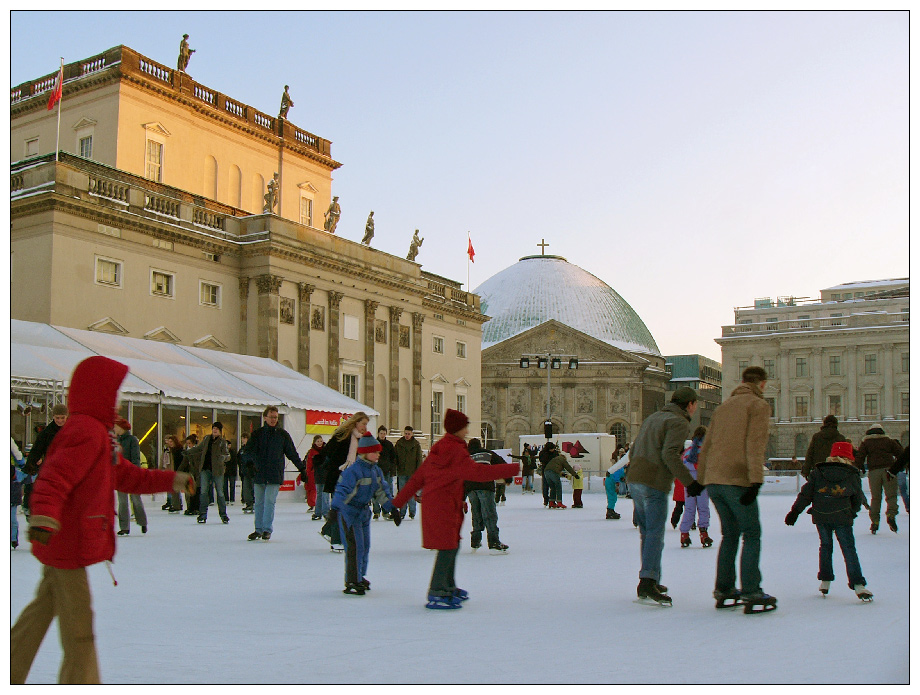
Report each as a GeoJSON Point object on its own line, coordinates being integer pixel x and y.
{"type": "Point", "coordinates": [317, 317]}
{"type": "Point", "coordinates": [518, 401]}
{"type": "Point", "coordinates": [584, 401]}
{"type": "Point", "coordinates": [488, 400]}
{"type": "Point", "coordinates": [617, 401]}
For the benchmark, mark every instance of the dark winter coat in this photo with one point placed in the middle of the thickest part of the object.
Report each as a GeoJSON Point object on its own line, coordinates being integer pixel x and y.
{"type": "Point", "coordinates": [336, 455]}
{"type": "Point", "coordinates": [387, 460]}
{"type": "Point", "coordinates": [558, 464]}
{"type": "Point", "coordinates": [527, 464]}
{"type": "Point", "coordinates": [441, 478]}
{"type": "Point", "coordinates": [40, 447]}
{"type": "Point", "coordinates": [487, 457]}
{"type": "Point", "coordinates": [74, 496]}
{"type": "Point", "coordinates": [408, 456]}
{"type": "Point", "coordinates": [358, 485]}
{"type": "Point", "coordinates": [268, 446]}
{"type": "Point", "coordinates": [198, 453]}
{"type": "Point", "coordinates": [655, 458]}
{"type": "Point", "coordinates": [877, 451]}
{"type": "Point", "coordinates": [820, 447]}
{"type": "Point", "coordinates": [130, 448]}
{"type": "Point", "coordinates": [902, 463]}
{"type": "Point", "coordinates": [834, 492]}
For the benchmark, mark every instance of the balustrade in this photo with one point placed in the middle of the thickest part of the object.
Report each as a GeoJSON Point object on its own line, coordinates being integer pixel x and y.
{"type": "Point", "coordinates": [104, 188]}
{"type": "Point", "coordinates": [206, 95]}
{"type": "Point", "coordinates": [161, 206]}
{"type": "Point", "coordinates": [208, 219]}
{"type": "Point", "coordinates": [155, 70]}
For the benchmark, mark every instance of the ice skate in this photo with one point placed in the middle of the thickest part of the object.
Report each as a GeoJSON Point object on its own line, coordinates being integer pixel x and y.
{"type": "Point", "coordinates": [366, 584]}
{"type": "Point", "coordinates": [254, 536]}
{"type": "Point", "coordinates": [824, 587]}
{"type": "Point", "coordinates": [443, 602]}
{"type": "Point", "coordinates": [726, 599]}
{"type": "Point", "coordinates": [498, 548]}
{"type": "Point", "coordinates": [684, 540]}
{"type": "Point", "coordinates": [649, 594]}
{"type": "Point", "coordinates": [873, 529]}
{"type": "Point", "coordinates": [461, 594]}
{"type": "Point", "coordinates": [337, 548]}
{"type": "Point", "coordinates": [356, 589]}
{"type": "Point", "coordinates": [758, 602]}
{"type": "Point", "coordinates": [862, 593]}
{"type": "Point", "coordinates": [892, 524]}
{"type": "Point", "coordinates": [266, 535]}
{"type": "Point", "coordinates": [705, 540]}
{"type": "Point", "coordinates": [475, 546]}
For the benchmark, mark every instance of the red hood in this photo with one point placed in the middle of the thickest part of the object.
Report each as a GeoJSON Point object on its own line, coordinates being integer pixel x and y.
{"type": "Point", "coordinates": [94, 389]}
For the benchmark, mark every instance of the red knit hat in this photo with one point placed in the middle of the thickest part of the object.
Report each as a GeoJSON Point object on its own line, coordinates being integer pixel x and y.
{"type": "Point", "coordinates": [454, 421]}
{"type": "Point", "coordinates": [843, 450]}
{"type": "Point", "coordinates": [368, 444]}
{"type": "Point", "coordinates": [124, 424]}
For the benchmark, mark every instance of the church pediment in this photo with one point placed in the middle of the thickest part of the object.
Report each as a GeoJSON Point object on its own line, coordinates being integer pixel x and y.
{"type": "Point", "coordinates": [558, 338]}
{"type": "Point", "coordinates": [108, 325]}
{"type": "Point", "coordinates": [209, 342]}
{"type": "Point", "coordinates": [162, 334]}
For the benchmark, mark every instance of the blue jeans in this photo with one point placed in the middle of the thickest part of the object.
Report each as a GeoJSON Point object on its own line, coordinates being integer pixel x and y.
{"type": "Point", "coordinates": [738, 522]}
{"type": "Point", "coordinates": [266, 494]}
{"type": "Point", "coordinates": [527, 483]}
{"type": "Point", "coordinates": [552, 479]}
{"type": "Point", "coordinates": [650, 508]}
{"type": "Point", "coordinates": [209, 482]}
{"type": "Point", "coordinates": [322, 502]}
{"type": "Point", "coordinates": [484, 515]}
{"type": "Point", "coordinates": [14, 524]}
{"type": "Point", "coordinates": [402, 480]}
{"type": "Point", "coordinates": [903, 489]}
{"type": "Point", "coordinates": [847, 543]}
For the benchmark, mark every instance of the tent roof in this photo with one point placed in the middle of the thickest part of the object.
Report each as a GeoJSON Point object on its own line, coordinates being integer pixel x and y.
{"type": "Point", "coordinates": [182, 373]}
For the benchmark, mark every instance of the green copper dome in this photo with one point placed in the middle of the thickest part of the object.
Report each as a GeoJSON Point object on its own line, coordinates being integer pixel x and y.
{"type": "Point", "coordinates": [539, 288]}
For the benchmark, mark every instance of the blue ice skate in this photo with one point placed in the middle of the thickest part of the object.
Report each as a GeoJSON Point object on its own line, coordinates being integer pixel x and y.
{"type": "Point", "coordinates": [443, 602]}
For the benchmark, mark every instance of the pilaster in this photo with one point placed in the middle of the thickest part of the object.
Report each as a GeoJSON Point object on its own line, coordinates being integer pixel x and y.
{"type": "Point", "coordinates": [303, 328]}
{"type": "Point", "coordinates": [395, 314]}
{"type": "Point", "coordinates": [244, 312]}
{"type": "Point", "coordinates": [269, 287]}
{"type": "Point", "coordinates": [335, 299]}
{"type": "Point", "coordinates": [370, 315]}
{"type": "Point", "coordinates": [417, 320]}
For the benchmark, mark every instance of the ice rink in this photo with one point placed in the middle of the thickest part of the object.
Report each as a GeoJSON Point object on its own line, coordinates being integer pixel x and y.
{"type": "Point", "coordinates": [200, 604]}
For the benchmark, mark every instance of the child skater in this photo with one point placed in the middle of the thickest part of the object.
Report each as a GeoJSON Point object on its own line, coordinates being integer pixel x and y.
{"type": "Point", "coordinates": [834, 492]}
{"type": "Point", "coordinates": [441, 477]}
{"type": "Point", "coordinates": [695, 505]}
{"type": "Point", "coordinates": [358, 485]}
{"type": "Point", "coordinates": [610, 485]}
{"type": "Point", "coordinates": [578, 486]}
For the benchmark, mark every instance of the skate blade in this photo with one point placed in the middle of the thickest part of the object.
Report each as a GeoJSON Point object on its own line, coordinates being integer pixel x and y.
{"type": "Point", "coordinates": [721, 605]}
{"type": "Point", "coordinates": [865, 599]}
{"type": "Point", "coordinates": [652, 602]}
{"type": "Point", "coordinates": [761, 608]}
{"type": "Point", "coordinates": [498, 552]}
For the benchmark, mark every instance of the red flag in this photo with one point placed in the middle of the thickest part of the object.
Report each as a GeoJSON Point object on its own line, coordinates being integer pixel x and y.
{"type": "Point", "coordinates": [470, 252]}
{"type": "Point", "coordinates": [58, 90]}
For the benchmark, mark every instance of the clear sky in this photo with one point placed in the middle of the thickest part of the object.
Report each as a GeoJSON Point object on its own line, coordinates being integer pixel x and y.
{"type": "Point", "coordinates": [691, 160]}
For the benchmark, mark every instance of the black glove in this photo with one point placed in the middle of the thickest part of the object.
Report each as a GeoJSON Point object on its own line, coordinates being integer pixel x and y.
{"type": "Point", "coordinates": [750, 494]}
{"type": "Point", "coordinates": [791, 517]}
{"type": "Point", "coordinates": [694, 489]}
{"type": "Point", "coordinates": [396, 516]}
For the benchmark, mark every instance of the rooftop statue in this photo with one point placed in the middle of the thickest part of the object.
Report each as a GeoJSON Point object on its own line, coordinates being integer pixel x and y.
{"type": "Point", "coordinates": [185, 53]}
{"type": "Point", "coordinates": [414, 246]}
{"type": "Point", "coordinates": [368, 229]}
{"type": "Point", "coordinates": [332, 215]}
{"type": "Point", "coordinates": [271, 195]}
{"type": "Point", "coordinates": [286, 103]}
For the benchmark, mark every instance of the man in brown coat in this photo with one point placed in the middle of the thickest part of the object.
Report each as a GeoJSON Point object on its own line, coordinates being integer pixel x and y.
{"type": "Point", "coordinates": [878, 453]}
{"type": "Point", "coordinates": [731, 465]}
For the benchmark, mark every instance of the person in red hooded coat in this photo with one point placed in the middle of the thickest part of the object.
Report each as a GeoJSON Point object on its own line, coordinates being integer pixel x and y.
{"type": "Point", "coordinates": [73, 521]}
{"type": "Point", "coordinates": [441, 477]}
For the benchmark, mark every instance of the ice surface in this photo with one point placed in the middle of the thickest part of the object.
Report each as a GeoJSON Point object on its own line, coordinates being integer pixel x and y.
{"type": "Point", "coordinates": [201, 604]}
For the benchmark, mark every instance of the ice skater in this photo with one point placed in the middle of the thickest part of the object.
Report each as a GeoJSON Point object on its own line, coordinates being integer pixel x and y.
{"type": "Point", "coordinates": [699, 505]}
{"type": "Point", "coordinates": [833, 491]}
{"type": "Point", "coordinates": [610, 486]}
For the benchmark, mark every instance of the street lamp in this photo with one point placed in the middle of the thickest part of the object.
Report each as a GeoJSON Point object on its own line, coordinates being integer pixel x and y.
{"type": "Point", "coordinates": [549, 362]}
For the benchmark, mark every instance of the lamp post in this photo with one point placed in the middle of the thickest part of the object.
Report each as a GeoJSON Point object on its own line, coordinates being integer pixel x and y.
{"type": "Point", "coordinates": [548, 361]}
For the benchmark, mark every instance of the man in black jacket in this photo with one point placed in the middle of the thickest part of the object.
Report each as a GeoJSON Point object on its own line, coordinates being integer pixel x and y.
{"type": "Point", "coordinates": [39, 449]}
{"type": "Point", "coordinates": [820, 447]}
{"type": "Point", "coordinates": [387, 463]}
{"type": "Point", "coordinates": [482, 501]}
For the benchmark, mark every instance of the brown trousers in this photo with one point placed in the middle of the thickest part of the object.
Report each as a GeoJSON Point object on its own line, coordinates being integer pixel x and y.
{"type": "Point", "coordinates": [65, 594]}
{"type": "Point", "coordinates": [879, 482]}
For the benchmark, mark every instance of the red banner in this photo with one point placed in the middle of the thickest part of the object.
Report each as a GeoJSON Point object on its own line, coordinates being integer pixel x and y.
{"type": "Point", "coordinates": [324, 422]}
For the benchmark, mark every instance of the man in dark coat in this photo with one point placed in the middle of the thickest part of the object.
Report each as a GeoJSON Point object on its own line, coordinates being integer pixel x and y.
{"type": "Point", "coordinates": [820, 447]}
{"type": "Point", "coordinates": [386, 462]}
{"type": "Point", "coordinates": [878, 453]}
{"type": "Point", "coordinates": [131, 450]}
{"type": "Point", "coordinates": [481, 495]}
{"type": "Point", "coordinates": [39, 448]}
{"type": "Point", "coordinates": [408, 460]}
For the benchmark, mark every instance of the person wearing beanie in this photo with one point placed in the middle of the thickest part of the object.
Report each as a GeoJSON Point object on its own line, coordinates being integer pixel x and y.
{"type": "Point", "coordinates": [834, 491]}
{"type": "Point", "coordinates": [654, 463]}
{"type": "Point", "coordinates": [209, 465]}
{"type": "Point", "coordinates": [552, 473]}
{"type": "Point", "coordinates": [131, 450]}
{"type": "Point", "coordinates": [441, 476]}
{"type": "Point", "coordinates": [358, 485]}
{"type": "Point", "coordinates": [878, 452]}
{"type": "Point", "coordinates": [547, 453]}
{"type": "Point", "coordinates": [39, 449]}
{"type": "Point", "coordinates": [730, 466]}
{"type": "Point", "coordinates": [820, 446]}
{"type": "Point", "coordinates": [481, 496]}
{"type": "Point", "coordinates": [73, 521]}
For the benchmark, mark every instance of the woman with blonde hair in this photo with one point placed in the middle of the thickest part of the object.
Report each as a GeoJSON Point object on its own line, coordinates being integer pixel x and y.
{"type": "Point", "coordinates": [341, 451]}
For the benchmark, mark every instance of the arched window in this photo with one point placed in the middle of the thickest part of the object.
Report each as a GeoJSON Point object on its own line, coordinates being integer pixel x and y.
{"type": "Point", "coordinates": [621, 431]}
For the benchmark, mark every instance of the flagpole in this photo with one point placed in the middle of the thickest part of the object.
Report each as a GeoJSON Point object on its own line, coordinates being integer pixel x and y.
{"type": "Point", "coordinates": [57, 144]}
{"type": "Point", "coordinates": [469, 241]}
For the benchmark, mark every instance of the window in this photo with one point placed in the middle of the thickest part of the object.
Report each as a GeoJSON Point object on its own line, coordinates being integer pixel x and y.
{"type": "Point", "coordinates": [86, 147]}
{"type": "Point", "coordinates": [31, 148]}
{"type": "Point", "coordinates": [350, 385]}
{"type": "Point", "coordinates": [833, 365]}
{"type": "Point", "coordinates": [350, 327]}
{"type": "Point", "coordinates": [774, 323]}
{"type": "Point", "coordinates": [835, 405]}
{"type": "Point", "coordinates": [161, 283]}
{"type": "Point", "coordinates": [306, 211]}
{"type": "Point", "coordinates": [801, 406]}
{"type": "Point", "coordinates": [769, 367]}
{"type": "Point", "coordinates": [836, 319]}
{"type": "Point", "coordinates": [461, 402]}
{"type": "Point", "coordinates": [437, 345]}
{"type": "Point", "coordinates": [154, 160]}
{"type": "Point", "coordinates": [461, 350]}
{"type": "Point", "coordinates": [742, 365]}
{"type": "Point", "coordinates": [746, 323]}
{"type": "Point", "coordinates": [905, 362]}
{"type": "Point", "coordinates": [437, 409]}
{"type": "Point", "coordinates": [871, 363]}
{"type": "Point", "coordinates": [772, 403]}
{"type": "Point", "coordinates": [871, 402]}
{"type": "Point", "coordinates": [905, 403]}
{"type": "Point", "coordinates": [835, 296]}
{"type": "Point", "coordinates": [801, 366]}
{"type": "Point", "coordinates": [209, 294]}
{"type": "Point", "coordinates": [108, 272]}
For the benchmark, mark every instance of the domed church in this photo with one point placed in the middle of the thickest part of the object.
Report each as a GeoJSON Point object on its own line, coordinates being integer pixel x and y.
{"type": "Point", "coordinates": [605, 371]}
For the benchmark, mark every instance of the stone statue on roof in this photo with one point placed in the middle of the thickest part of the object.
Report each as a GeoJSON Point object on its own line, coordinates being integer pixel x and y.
{"type": "Point", "coordinates": [185, 53]}
{"type": "Point", "coordinates": [414, 246]}
{"type": "Point", "coordinates": [286, 103]}
{"type": "Point", "coordinates": [368, 230]}
{"type": "Point", "coordinates": [271, 195]}
{"type": "Point", "coordinates": [332, 215]}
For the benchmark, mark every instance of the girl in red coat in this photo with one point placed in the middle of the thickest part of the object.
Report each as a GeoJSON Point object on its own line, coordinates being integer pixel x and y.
{"type": "Point", "coordinates": [73, 520]}
{"type": "Point", "coordinates": [441, 477]}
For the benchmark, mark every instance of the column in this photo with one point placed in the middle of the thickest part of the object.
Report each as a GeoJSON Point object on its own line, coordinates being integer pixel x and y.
{"type": "Point", "coordinates": [395, 314]}
{"type": "Point", "coordinates": [852, 411]}
{"type": "Point", "coordinates": [785, 388]}
{"type": "Point", "coordinates": [303, 329]}
{"type": "Point", "coordinates": [417, 320]}
{"type": "Point", "coordinates": [244, 311]}
{"type": "Point", "coordinates": [370, 315]}
{"type": "Point", "coordinates": [333, 367]}
{"type": "Point", "coordinates": [887, 372]}
{"type": "Point", "coordinates": [817, 371]}
{"type": "Point", "coordinates": [267, 336]}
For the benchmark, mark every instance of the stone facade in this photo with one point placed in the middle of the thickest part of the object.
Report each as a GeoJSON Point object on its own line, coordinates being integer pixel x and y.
{"type": "Point", "coordinates": [850, 358]}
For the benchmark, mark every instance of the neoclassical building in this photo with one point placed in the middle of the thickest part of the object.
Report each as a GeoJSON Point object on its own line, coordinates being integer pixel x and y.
{"type": "Point", "coordinates": [846, 353]}
{"type": "Point", "coordinates": [153, 222]}
{"type": "Point", "coordinates": [544, 305]}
